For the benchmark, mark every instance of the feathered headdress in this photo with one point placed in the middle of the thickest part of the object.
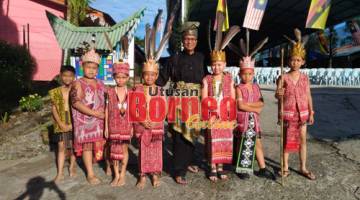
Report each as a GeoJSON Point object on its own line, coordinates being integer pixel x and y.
{"type": "Point", "coordinates": [298, 48]}
{"type": "Point", "coordinates": [217, 54]}
{"type": "Point", "coordinates": [88, 51]}
{"type": "Point", "coordinates": [247, 61]}
{"type": "Point", "coordinates": [119, 66]}
{"type": "Point", "coordinates": [153, 54]}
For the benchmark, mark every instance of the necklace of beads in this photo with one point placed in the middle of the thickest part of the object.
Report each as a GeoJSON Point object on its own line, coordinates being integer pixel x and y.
{"type": "Point", "coordinates": [122, 105]}
{"type": "Point", "coordinates": [218, 92]}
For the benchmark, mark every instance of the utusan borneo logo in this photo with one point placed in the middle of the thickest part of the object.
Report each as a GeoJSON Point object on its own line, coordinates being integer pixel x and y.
{"type": "Point", "coordinates": [183, 105]}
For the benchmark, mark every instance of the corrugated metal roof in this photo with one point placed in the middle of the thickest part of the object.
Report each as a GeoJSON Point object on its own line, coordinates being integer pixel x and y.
{"type": "Point", "coordinates": [70, 36]}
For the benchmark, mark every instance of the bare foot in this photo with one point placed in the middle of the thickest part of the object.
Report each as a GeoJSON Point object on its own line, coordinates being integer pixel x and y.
{"type": "Point", "coordinates": [141, 182]}
{"type": "Point", "coordinates": [93, 180]}
{"type": "Point", "coordinates": [115, 181]}
{"type": "Point", "coordinates": [121, 181]}
{"type": "Point", "coordinates": [155, 181]}
{"type": "Point", "coordinates": [58, 178]}
{"type": "Point", "coordinates": [72, 171]}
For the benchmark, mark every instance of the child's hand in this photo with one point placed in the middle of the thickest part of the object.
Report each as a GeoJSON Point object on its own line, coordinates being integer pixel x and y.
{"type": "Point", "coordinates": [146, 124]}
{"type": "Point", "coordinates": [64, 127]}
{"type": "Point", "coordinates": [258, 110]}
{"type": "Point", "coordinates": [280, 92]}
{"type": "Point", "coordinates": [311, 120]}
{"type": "Point", "coordinates": [99, 114]}
{"type": "Point", "coordinates": [68, 128]}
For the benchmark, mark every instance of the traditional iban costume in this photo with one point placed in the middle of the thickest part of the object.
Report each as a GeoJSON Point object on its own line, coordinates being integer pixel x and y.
{"type": "Point", "coordinates": [88, 130]}
{"type": "Point", "coordinates": [151, 139]}
{"type": "Point", "coordinates": [220, 140]}
{"type": "Point", "coordinates": [248, 122]}
{"type": "Point", "coordinates": [296, 102]}
{"type": "Point", "coordinates": [120, 129]}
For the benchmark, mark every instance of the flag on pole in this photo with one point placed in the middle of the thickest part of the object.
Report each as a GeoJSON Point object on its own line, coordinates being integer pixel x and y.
{"type": "Point", "coordinates": [254, 14]}
{"type": "Point", "coordinates": [222, 7]}
{"type": "Point", "coordinates": [318, 14]}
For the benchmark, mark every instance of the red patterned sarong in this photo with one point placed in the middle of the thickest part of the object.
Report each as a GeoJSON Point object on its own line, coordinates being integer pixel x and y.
{"type": "Point", "coordinates": [221, 144]}
{"type": "Point", "coordinates": [293, 130]}
{"type": "Point", "coordinates": [150, 141]}
{"type": "Point", "coordinates": [116, 150]}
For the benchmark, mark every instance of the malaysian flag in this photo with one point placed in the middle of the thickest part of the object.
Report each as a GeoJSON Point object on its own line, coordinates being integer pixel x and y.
{"type": "Point", "coordinates": [254, 14]}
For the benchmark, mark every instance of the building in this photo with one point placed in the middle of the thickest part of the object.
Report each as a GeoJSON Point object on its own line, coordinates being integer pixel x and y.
{"type": "Point", "coordinates": [24, 22]}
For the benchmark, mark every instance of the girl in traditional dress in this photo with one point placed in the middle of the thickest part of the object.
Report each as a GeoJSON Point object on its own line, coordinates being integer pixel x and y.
{"type": "Point", "coordinates": [62, 122]}
{"type": "Point", "coordinates": [298, 107]}
{"type": "Point", "coordinates": [88, 111]}
{"type": "Point", "coordinates": [118, 129]}
{"type": "Point", "coordinates": [219, 85]}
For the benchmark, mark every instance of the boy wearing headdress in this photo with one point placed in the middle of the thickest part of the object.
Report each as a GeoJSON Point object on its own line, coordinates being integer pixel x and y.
{"type": "Point", "coordinates": [294, 87]}
{"type": "Point", "coordinates": [249, 106]}
{"type": "Point", "coordinates": [88, 112]}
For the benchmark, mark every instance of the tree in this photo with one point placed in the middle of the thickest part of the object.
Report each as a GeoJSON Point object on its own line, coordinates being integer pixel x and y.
{"type": "Point", "coordinates": [140, 42]}
{"type": "Point", "coordinates": [16, 67]}
{"type": "Point", "coordinates": [77, 10]}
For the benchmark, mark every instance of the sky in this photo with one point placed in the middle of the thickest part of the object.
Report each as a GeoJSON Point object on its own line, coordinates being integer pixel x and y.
{"type": "Point", "coordinates": [121, 9]}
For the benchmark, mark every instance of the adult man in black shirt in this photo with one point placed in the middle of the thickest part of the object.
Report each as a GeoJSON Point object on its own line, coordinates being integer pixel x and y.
{"type": "Point", "coordinates": [186, 70]}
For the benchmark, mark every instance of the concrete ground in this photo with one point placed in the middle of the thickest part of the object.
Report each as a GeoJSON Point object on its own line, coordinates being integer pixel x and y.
{"type": "Point", "coordinates": [27, 167]}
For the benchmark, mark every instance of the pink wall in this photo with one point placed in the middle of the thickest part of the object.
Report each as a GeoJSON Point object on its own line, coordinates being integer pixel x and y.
{"type": "Point", "coordinates": [43, 45]}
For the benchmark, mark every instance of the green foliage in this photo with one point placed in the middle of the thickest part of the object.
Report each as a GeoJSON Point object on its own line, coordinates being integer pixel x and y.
{"type": "Point", "coordinates": [31, 103]}
{"type": "Point", "coordinates": [140, 42]}
{"type": "Point", "coordinates": [77, 10]}
{"type": "Point", "coordinates": [16, 70]}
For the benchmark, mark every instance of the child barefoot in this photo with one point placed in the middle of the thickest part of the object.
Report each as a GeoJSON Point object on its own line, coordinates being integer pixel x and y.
{"type": "Point", "coordinates": [250, 104]}
{"type": "Point", "coordinates": [219, 85]}
{"type": "Point", "coordinates": [117, 125]}
{"type": "Point", "coordinates": [149, 134]}
{"type": "Point", "coordinates": [88, 110]}
{"type": "Point", "coordinates": [62, 122]}
{"type": "Point", "coordinates": [298, 107]}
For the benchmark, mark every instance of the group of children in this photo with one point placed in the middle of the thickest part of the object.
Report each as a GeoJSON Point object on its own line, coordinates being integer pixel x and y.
{"type": "Point", "coordinates": [100, 121]}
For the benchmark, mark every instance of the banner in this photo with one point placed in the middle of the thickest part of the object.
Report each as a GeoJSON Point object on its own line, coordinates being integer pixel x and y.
{"type": "Point", "coordinates": [318, 14]}
{"type": "Point", "coordinates": [222, 7]}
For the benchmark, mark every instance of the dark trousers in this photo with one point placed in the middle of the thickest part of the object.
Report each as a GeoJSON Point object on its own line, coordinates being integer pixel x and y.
{"type": "Point", "coordinates": [183, 154]}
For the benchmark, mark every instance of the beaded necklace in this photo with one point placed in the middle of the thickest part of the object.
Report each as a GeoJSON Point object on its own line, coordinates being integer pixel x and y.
{"type": "Point", "coordinates": [122, 105]}
{"type": "Point", "coordinates": [219, 91]}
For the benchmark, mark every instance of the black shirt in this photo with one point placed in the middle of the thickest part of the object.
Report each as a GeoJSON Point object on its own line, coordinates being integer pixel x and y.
{"type": "Point", "coordinates": [183, 67]}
